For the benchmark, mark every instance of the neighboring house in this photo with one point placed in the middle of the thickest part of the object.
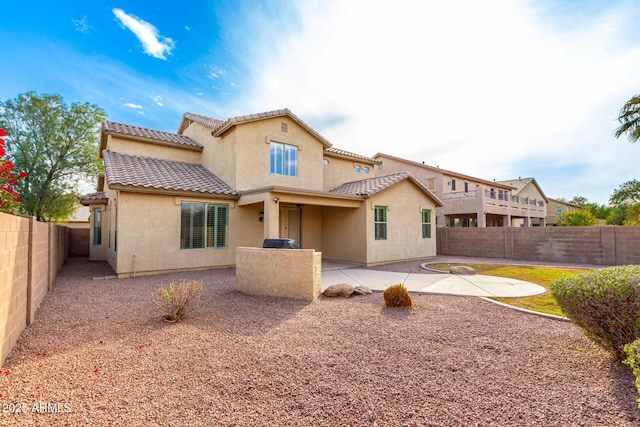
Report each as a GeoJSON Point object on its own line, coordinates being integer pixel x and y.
{"type": "Point", "coordinates": [474, 202]}
{"type": "Point", "coordinates": [531, 200]}
{"type": "Point", "coordinates": [186, 200]}
{"type": "Point", "coordinates": [556, 207]}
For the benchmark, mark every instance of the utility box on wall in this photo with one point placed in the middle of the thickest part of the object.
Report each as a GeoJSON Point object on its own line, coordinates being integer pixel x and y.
{"type": "Point", "coordinates": [278, 273]}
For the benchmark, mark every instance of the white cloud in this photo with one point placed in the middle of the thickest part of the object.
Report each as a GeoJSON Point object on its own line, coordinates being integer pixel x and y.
{"type": "Point", "coordinates": [217, 72]}
{"type": "Point", "coordinates": [82, 25]}
{"type": "Point", "coordinates": [152, 43]}
{"type": "Point", "coordinates": [133, 106]}
{"type": "Point", "coordinates": [494, 89]}
{"type": "Point", "coordinates": [158, 100]}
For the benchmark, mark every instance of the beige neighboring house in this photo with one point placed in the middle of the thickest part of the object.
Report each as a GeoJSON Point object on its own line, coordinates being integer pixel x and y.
{"type": "Point", "coordinates": [187, 200]}
{"type": "Point", "coordinates": [474, 202]}
{"type": "Point", "coordinates": [556, 207]}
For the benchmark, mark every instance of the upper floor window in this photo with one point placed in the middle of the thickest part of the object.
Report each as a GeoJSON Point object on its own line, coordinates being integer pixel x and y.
{"type": "Point", "coordinates": [358, 168]}
{"type": "Point", "coordinates": [366, 170]}
{"type": "Point", "coordinates": [453, 185]}
{"type": "Point", "coordinates": [559, 209]}
{"type": "Point", "coordinates": [284, 159]}
{"type": "Point", "coordinates": [380, 222]}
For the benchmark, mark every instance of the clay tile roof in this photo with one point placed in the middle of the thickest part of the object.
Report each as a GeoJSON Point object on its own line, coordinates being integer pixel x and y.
{"type": "Point", "coordinates": [203, 120]}
{"type": "Point", "coordinates": [371, 186]}
{"type": "Point", "coordinates": [151, 135]}
{"type": "Point", "coordinates": [167, 175]}
{"type": "Point", "coordinates": [345, 153]}
{"type": "Point", "coordinates": [233, 121]}
{"type": "Point", "coordinates": [97, 197]}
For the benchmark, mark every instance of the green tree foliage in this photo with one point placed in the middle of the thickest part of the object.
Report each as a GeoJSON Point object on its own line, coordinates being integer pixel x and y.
{"type": "Point", "coordinates": [629, 118]}
{"type": "Point", "coordinates": [633, 215]}
{"type": "Point", "coordinates": [617, 215]}
{"type": "Point", "coordinates": [627, 193]}
{"type": "Point", "coordinates": [57, 145]}
{"type": "Point", "coordinates": [581, 217]}
{"type": "Point", "coordinates": [599, 211]}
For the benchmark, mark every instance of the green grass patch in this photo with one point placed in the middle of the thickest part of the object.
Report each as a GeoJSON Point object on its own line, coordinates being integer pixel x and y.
{"type": "Point", "coordinates": [540, 275]}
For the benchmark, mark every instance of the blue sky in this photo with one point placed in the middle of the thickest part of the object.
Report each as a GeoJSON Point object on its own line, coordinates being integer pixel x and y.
{"type": "Point", "coordinates": [496, 89]}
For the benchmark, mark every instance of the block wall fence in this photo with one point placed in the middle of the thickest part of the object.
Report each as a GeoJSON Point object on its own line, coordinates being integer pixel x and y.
{"type": "Point", "coordinates": [31, 255]}
{"type": "Point", "coordinates": [606, 246]}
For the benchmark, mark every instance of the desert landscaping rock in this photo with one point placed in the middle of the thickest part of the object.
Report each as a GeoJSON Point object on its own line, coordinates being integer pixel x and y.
{"type": "Point", "coordinates": [362, 290]}
{"type": "Point", "coordinates": [462, 270]}
{"type": "Point", "coordinates": [339, 290]}
{"type": "Point", "coordinates": [253, 361]}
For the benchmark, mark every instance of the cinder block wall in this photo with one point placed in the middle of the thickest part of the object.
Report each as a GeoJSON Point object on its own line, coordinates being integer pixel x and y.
{"type": "Point", "coordinates": [610, 245]}
{"type": "Point", "coordinates": [31, 254]}
{"type": "Point", "coordinates": [289, 273]}
{"type": "Point", "coordinates": [14, 271]}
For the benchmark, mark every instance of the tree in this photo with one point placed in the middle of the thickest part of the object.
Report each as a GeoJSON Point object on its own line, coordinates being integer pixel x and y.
{"type": "Point", "coordinates": [581, 217]}
{"type": "Point", "coordinates": [633, 215]}
{"type": "Point", "coordinates": [56, 144]}
{"type": "Point", "coordinates": [629, 118]}
{"type": "Point", "coordinates": [627, 193]}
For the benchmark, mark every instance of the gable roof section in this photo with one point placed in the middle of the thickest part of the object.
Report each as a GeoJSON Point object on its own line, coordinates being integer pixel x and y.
{"type": "Point", "coordinates": [344, 154]}
{"type": "Point", "coordinates": [188, 118]}
{"type": "Point", "coordinates": [444, 171]}
{"type": "Point", "coordinates": [150, 175]}
{"type": "Point", "coordinates": [146, 135]}
{"type": "Point", "coordinates": [234, 121]}
{"type": "Point", "coordinates": [97, 197]}
{"type": "Point", "coordinates": [369, 187]}
{"type": "Point", "coordinates": [520, 183]}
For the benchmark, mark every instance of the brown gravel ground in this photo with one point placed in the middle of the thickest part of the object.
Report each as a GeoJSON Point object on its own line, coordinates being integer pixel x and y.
{"type": "Point", "coordinates": [98, 347]}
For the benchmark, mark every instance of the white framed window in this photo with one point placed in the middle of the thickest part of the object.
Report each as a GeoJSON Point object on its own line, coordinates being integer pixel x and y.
{"type": "Point", "coordinates": [97, 226]}
{"type": "Point", "coordinates": [204, 225]}
{"type": "Point", "coordinates": [283, 159]}
{"type": "Point", "coordinates": [426, 223]}
{"type": "Point", "coordinates": [358, 168]}
{"type": "Point", "coordinates": [366, 170]}
{"type": "Point", "coordinates": [559, 209]}
{"type": "Point", "coordinates": [380, 222]}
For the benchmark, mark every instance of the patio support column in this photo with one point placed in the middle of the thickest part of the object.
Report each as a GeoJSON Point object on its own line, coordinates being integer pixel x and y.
{"type": "Point", "coordinates": [482, 218]}
{"type": "Point", "coordinates": [271, 218]}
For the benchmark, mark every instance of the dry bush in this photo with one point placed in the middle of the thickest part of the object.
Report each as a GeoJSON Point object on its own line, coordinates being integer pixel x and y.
{"type": "Point", "coordinates": [397, 296]}
{"type": "Point", "coordinates": [605, 303]}
{"type": "Point", "coordinates": [176, 300]}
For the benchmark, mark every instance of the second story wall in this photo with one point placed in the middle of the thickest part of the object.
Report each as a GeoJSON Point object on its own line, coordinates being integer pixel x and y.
{"type": "Point", "coordinates": [257, 146]}
{"type": "Point", "coordinates": [338, 170]}
{"type": "Point", "coordinates": [219, 155]}
{"type": "Point", "coordinates": [148, 149]}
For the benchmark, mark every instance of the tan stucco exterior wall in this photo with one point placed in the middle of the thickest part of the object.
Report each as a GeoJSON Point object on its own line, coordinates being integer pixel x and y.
{"type": "Point", "coordinates": [152, 233]}
{"type": "Point", "coordinates": [348, 234]}
{"type": "Point", "coordinates": [98, 252]}
{"type": "Point", "coordinates": [338, 170]}
{"type": "Point", "coordinates": [278, 272]}
{"type": "Point", "coordinates": [148, 149]}
{"type": "Point", "coordinates": [219, 154]}
{"type": "Point", "coordinates": [404, 225]}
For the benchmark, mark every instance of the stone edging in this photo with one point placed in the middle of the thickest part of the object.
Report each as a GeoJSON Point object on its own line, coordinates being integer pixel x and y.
{"type": "Point", "coordinates": [524, 310]}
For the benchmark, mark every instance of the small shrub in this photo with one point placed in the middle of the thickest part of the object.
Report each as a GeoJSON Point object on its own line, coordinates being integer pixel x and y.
{"type": "Point", "coordinates": [176, 300]}
{"type": "Point", "coordinates": [605, 303]}
{"type": "Point", "coordinates": [633, 360]}
{"type": "Point", "coordinates": [397, 296]}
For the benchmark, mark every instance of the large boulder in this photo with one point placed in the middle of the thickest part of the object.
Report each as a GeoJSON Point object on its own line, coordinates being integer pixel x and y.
{"type": "Point", "coordinates": [462, 270]}
{"type": "Point", "coordinates": [362, 290]}
{"type": "Point", "coordinates": [339, 290]}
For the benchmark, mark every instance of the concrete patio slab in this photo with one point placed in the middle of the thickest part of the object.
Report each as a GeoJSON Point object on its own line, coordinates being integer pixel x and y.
{"type": "Point", "coordinates": [449, 284]}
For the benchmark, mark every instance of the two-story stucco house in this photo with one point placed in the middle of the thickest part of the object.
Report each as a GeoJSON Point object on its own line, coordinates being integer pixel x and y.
{"type": "Point", "coordinates": [474, 202]}
{"type": "Point", "coordinates": [556, 207]}
{"type": "Point", "coordinates": [187, 200]}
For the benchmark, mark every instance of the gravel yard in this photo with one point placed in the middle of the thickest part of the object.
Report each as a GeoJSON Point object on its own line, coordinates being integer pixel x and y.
{"type": "Point", "coordinates": [99, 351]}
